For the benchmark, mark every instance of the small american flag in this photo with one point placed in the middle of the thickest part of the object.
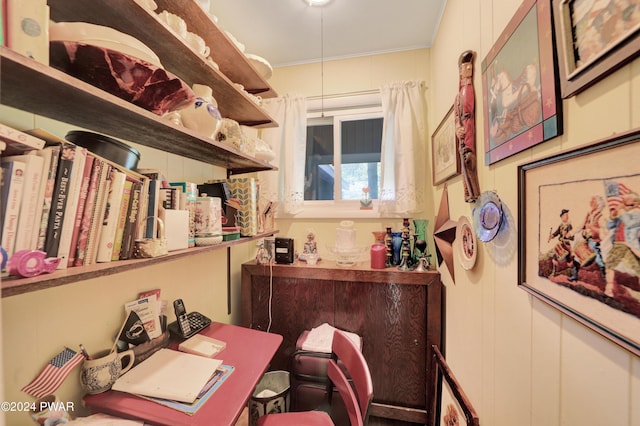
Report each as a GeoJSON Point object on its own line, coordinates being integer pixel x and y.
{"type": "Point", "coordinates": [54, 373]}
{"type": "Point", "coordinates": [615, 193]}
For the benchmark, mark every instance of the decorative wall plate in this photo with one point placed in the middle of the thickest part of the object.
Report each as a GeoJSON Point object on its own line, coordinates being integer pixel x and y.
{"type": "Point", "coordinates": [466, 243]}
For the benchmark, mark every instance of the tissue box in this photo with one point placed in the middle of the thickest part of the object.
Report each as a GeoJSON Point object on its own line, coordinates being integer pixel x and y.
{"type": "Point", "coordinates": [176, 229]}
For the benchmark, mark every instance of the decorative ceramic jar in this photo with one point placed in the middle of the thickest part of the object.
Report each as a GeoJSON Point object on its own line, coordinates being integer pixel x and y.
{"type": "Point", "coordinates": [202, 115]}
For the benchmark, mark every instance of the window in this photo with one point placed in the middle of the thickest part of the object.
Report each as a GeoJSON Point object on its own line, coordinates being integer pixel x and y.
{"type": "Point", "coordinates": [343, 155]}
{"type": "Point", "coordinates": [343, 149]}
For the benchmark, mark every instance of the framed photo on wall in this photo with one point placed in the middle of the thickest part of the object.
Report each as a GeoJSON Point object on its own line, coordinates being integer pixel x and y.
{"type": "Point", "coordinates": [520, 90]}
{"type": "Point", "coordinates": [444, 152]}
{"type": "Point", "coordinates": [594, 39]}
{"type": "Point", "coordinates": [455, 408]}
{"type": "Point", "coordinates": [579, 235]}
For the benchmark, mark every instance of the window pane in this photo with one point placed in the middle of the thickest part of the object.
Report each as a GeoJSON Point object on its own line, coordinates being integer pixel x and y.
{"type": "Point", "coordinates": [361, 145]}
{"type": "Point", "coordinates": [319, 176]}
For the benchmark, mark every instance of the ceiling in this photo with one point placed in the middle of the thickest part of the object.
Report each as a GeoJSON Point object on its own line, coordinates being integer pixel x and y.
{"type": "Point", "coordinates": [288, 32]}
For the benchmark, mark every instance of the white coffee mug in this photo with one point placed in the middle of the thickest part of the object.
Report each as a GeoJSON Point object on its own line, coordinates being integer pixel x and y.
{"type": "Point", "coordinates": [99, 374]}
{"type": "Point", "coordinates": [197, 43]}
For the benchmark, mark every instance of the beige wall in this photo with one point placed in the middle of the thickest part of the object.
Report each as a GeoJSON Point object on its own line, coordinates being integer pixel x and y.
{"type": "Point", "coordinates": [520, 361]}
{"type": "Point", "coordinates": [36, 326]}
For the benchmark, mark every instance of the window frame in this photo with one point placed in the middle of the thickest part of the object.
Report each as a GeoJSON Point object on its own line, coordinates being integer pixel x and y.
{"type": "Point", "coordinates": [359, 109]}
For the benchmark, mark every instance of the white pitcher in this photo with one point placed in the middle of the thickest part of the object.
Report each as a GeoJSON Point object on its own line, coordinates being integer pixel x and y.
{"type": "Point", "coordinates": [202, 115]}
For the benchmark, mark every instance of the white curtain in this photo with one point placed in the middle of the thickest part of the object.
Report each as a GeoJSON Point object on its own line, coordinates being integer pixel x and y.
{"type": "Point", "coordinates": [285, 186]}
{"type": "Point", "coordinates": [404, 138]}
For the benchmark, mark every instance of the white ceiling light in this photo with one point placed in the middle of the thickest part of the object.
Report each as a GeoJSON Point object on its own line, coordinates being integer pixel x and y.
{"type": "Point", "coordinates": [318, 3]}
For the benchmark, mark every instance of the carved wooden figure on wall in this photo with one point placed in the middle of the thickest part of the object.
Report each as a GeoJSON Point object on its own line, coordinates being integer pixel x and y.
{"type": "Point", "coordinates": [464, 112]}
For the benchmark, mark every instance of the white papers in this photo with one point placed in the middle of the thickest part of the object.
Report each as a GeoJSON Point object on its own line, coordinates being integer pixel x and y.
{"type": "Point", "coordinates": [169, 374]}
{"type": "Point", "coordinates": [148, 309]}
{"type": "Point", "coordinates": [320, 339]}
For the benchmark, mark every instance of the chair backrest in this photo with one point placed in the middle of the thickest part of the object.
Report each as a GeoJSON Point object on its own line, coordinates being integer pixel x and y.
{"type": "Point", "coordinates": [357, 403]}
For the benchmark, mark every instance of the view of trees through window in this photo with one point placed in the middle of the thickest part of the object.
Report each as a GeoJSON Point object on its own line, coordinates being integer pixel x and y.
{"type": "Point", "coordinates": [356, 153]}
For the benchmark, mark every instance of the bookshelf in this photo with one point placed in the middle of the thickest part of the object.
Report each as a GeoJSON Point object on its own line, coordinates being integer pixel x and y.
{"type": "Point", "coordinates": [13, 286]}
{"type": "Point", "coordinates": [30, 86]}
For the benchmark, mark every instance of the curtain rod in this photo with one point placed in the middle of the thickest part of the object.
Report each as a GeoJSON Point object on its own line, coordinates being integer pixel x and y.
{"type": "Point", "coordinates": [339, 95]}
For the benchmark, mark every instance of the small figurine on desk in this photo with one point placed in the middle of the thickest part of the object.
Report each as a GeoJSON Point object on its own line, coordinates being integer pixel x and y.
{"type": "Point", "coordinates": [310, 247]}
{"type": "Point", "coordinates": [263, 257]}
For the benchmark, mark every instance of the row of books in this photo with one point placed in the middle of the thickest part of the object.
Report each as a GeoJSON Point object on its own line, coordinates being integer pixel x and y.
{"type": "Point", "coordinates": [67, 201]}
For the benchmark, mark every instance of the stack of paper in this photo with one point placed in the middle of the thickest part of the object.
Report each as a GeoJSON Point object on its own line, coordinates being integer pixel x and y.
{"type": "Point", "coordinates": [169, 374]}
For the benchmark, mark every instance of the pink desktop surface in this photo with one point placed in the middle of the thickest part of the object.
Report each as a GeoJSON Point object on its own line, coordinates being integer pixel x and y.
{"type": "Point", "coordinates": [248, 351]}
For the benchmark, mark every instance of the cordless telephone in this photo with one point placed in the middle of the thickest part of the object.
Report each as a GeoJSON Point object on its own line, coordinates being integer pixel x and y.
{"type": "Point", "coordinates": [187, 324]}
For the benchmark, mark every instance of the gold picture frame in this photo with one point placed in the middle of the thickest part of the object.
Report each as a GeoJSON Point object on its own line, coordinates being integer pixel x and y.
{"type": "Point", "coordinates": [444, 151]}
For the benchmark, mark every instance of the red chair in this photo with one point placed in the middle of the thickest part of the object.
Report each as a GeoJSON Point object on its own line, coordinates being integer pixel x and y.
{"type": "Point", "coordinates": [356, 403]}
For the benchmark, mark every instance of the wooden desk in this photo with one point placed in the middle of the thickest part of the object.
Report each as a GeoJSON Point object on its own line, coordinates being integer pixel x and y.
{"type": "Point", "coordinates": [249, 351]}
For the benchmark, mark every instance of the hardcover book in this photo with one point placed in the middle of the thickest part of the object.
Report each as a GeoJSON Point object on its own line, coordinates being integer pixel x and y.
{"type": "Point", "coordinates": [59, 198]}
{"type": "Point", "coordinates": [19, 142]}
{"type": "Point", "coordinates": [132, 221]}
{"type": "Point", "coordinates": [12, 184]}
{"type": "Point", "coordinates": [69, 219]}
{"type": "Point", "coordinates": [122, 219]}
{"type": "Point", "coordinates": [97, 217]}
{"type": "Point", "coordinates": [89, 208]}
{"type": "Point", "coordinates": [110, 219]}
{"type": "Point", "coordinates": [82, 202]}
{"type": "Point", "coordinates": [51, 155]}
{"type": "Point", "coordinates": [29, 211]}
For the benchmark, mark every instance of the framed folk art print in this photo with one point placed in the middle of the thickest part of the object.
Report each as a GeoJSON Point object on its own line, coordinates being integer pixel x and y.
{"type": "Point", "coordinates": [520, 90]}
{"type": "Point", "coordinates": [594, 39]}
{"type": "Point", "coordinates": [579, 235]}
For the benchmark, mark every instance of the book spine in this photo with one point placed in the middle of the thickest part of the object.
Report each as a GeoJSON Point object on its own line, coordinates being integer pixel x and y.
{"type": "Point", "coordinates": [98, 216]}
{"type": "Point", "coordinates": [110, 219]}
{"type": "Point", "coordinates": [59, 199]}
{"type": "Point", "coordinates": [82, 204]}
{"type": "Point", "coordinates": [90, 204]}
{"type": "Point", "coordinates": [132, 221]}
{"type": "Point", "coordinates": [68, 222]}
{"type": "Point", "coordinates": [54, 153]}
{"type": "Point", "coordinates": [151, 225]}
{"type": "Point", "coordinates": [122, 219]}
{"type": "Point", "coordinates": [19, 142]}
{"type": "Point", "coordinates": [32, 181]}
{"type": "Point", "coordinates": [11, 208]}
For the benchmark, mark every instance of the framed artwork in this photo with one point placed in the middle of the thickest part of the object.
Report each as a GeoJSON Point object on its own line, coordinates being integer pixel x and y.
{"type": "Point", "coordinates": [594, 39]}
{"type": "Point", "coordinates": [455, 408]}
{"type": "Point", "coordinates": [579, 235]}
{"type": "Point", "coordinates": [444, 155]}
{"type": "Point", "coordinates": [520, 90]}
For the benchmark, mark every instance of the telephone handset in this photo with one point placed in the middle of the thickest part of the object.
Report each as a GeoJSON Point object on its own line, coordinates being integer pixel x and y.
{"type": "Point", "coordinates": [187, 324]}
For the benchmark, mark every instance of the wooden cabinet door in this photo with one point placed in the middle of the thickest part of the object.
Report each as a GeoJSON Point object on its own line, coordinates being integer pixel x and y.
{"type": "Point", "coordinates": [296, 305]}
{"type": "Point", "coordinates": [391, 320]}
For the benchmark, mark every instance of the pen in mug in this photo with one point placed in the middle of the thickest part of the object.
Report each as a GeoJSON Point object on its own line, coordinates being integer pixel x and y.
{"type": "Point", "coordinates": [84, 352]}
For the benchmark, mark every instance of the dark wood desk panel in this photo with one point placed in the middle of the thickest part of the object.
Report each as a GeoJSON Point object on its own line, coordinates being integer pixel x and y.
{"type": "Point", "coordinates": [398, 314]}
{"type": "Point", "coordinates": [248, 351]}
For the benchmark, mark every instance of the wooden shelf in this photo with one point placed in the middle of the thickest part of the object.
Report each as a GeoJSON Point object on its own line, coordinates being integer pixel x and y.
{"type": "Point", "coordinates": [12, 286]}
{"type": "Point", "coordinates": [31, 86]}
{"type": "Point", "coordinates": [176, 56]}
